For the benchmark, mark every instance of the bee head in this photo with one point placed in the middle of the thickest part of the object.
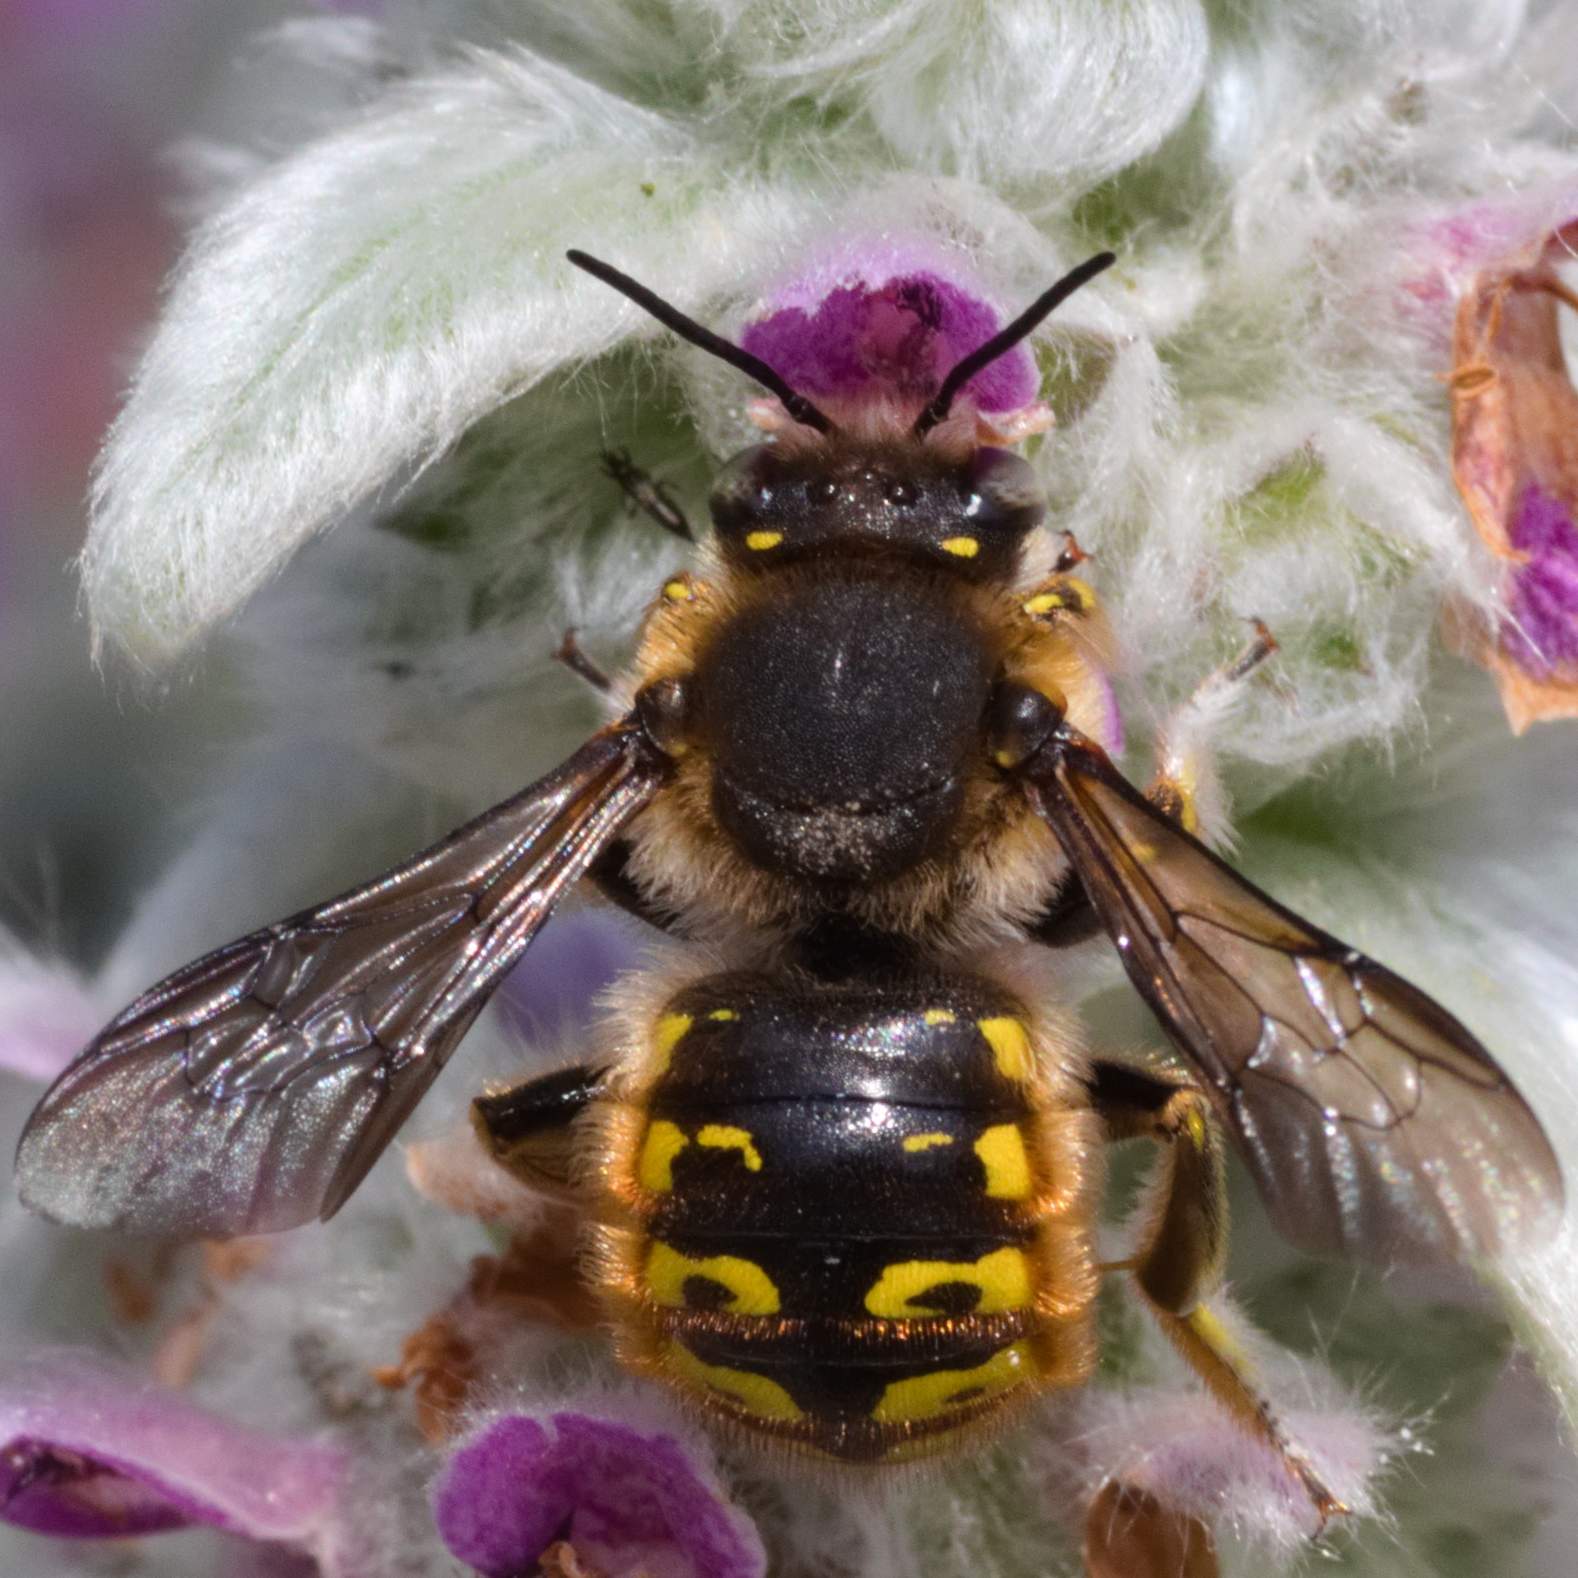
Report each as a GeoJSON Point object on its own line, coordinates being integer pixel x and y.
{"type": "Point", "coordinates": [773, 505]}
{"type": "Point", "coordinates": [966, 506]}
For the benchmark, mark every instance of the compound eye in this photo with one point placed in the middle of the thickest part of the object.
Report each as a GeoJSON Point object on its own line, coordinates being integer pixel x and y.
{"type": "Point", "coordinates": [745, 493]}
{"type": "Point", "coordinates": [1004, 494]}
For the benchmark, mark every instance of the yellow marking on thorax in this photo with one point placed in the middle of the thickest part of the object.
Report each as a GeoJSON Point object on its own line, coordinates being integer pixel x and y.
{"type": "Point", "coordinates": [960, 547]}
{"type": "Point", "coordinates": [1010, 1046]}
{"type": "Point", "coordinates": [667, 1034]}
{"type": "Point", "coordinates": [940, 1016]}
{"type": "Point", "coordinates": [726, 1137]}
{"type": "Point", "coordinates": [680, 590]}
{"type": "Point", "coordinates": [723, 1016]}
{"type": "Point", "coordinates": [753, 1291]}
{"type": "Point", "coordinates": [926, 1396]}
{"type": "Point", "coordinates": [754, 1393]}
{"type": "Point", "coordinates": [926, 1142]}
{"type": "Point", "coordinates": [1194, 1122]}
{"type": "Point", "coordinates": [1002, 1152]}
{"type": "Point", "coordinates": [1003, 1276]}
{"type": "Point", "coordinates": [761, 541]}
{"type": "Point", "coordinates": [664, 1141]}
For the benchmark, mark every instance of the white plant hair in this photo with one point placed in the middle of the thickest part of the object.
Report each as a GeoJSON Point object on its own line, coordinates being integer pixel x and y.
{"type": "Point", "coordinates": [360, 449]}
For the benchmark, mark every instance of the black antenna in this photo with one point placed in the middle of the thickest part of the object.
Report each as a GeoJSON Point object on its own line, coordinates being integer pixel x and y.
{"type": "Point", "coordinates": [796, 405]}
{"type": "Point", "coordinates": [1006, 339]}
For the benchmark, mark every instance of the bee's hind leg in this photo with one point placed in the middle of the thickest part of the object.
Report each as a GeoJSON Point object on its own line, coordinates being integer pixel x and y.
{"type": "Point", "coordinates": [529, 1128]}
{"type": "Point", "coordinates": [1182, 1249]}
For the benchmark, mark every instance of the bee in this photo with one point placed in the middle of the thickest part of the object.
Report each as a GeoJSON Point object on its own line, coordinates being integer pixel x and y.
{"type": "Point", "coordinates": [841, 1185]}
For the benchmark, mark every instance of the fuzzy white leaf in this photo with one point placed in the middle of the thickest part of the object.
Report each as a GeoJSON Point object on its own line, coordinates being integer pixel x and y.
{"type": "Point", "coordinates": [360, 305]}
{"type": "Point", "coordinates": [1016, 90]}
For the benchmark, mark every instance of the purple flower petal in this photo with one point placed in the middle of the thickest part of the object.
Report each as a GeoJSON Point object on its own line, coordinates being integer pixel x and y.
{"type": "Point", "coordinates": [625, 1498]}
{"type": "Point", "coordinates": [1542, 636]}
{"type": "Point", "coordinates": [90, 1450]}
{"type": "Point", "coordinates": [552, 991]}
{"type": "Point", "coordinates": [887, 320]}
{"type": "Point", "coordinates": [46, 1018]}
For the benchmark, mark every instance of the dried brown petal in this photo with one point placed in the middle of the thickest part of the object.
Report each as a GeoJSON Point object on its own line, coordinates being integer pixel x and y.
{"type": "Point", "coordinates": [1130, 1534]}
{"type": "Point", "coordinates": [1515, 462]}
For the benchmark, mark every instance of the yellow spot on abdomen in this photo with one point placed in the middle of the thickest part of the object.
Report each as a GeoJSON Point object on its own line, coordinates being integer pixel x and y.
{"type": "Point", "coordinates": [961, 547]}
{"type": "Point", "coordinates": [723, 1016]}
{"type": "Point", "coordinates": [1010, 1046]}
{"type": "Point", "coordinates": [926, 1142]}
{"type": "Point", "coordinates": [761, 541]}
{"type": "Point", "coordinates": [752, 1291]}
{"type": "Point", "coordinates": [926, 1396]}
{"type": "Point", "coordinates": [1194, 1122]}
{"type": "Point", "coordinates": [725, 1137]}
{"type": "Point", "coordinates": [667, 1034]}
{"type": "Point", "coordinates": [1002, 1152]}
{"type": "Point", "coordinates": [679, 590]}
{"type": "Point", "coordinates": [1003, 1276]}
{"type": "Point", "coordinates": [940, 1016]}
{"type": "Point", "coordinates": [754, 1393]}
{"type": "Point", "coordinates": [664, 1141]}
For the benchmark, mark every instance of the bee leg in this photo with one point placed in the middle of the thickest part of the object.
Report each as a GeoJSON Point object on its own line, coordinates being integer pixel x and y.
{"type": "Point", "coordinates": [527, 1128]}
{"type": "Point", "coordinates": [573, 656]}
{"type": "Point", "coordinates": [1183, 1249]}
{"type": "Point", "coordinates": [1063, 595]}
{"type": "Point", "coordinates": [650, 497]}
{"type": "Point", "coordinates": [1184, 783]}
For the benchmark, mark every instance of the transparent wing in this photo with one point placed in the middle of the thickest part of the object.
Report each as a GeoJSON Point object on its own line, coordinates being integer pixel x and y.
{"type": "Point", "coordinates": [1375, 1125]}
{"type": "Point", "coordinates": [253, 1089]}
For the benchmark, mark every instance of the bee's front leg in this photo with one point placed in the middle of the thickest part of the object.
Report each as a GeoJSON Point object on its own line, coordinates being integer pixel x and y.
{"type": "Point", "coordinates": [1063, 597]}
{"type": "Point", "coordinates": [573, 655]}
{"type": "Point", "coordinates": [647, 494]}
{"type": "Point", "coordinates": [1184, 782]}
{"type": "Point", "coordinates": [1182, 1249]}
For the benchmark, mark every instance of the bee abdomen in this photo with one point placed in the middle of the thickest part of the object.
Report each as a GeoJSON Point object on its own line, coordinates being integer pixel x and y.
{"type": "Point", "coordinates": [856, 1220]}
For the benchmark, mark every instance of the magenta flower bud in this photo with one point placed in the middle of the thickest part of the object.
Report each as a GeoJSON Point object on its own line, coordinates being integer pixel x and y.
{"type": "Point", "coordinates": [627, 1500]}
{"type": "Point", "coordinates": [884, 321]}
